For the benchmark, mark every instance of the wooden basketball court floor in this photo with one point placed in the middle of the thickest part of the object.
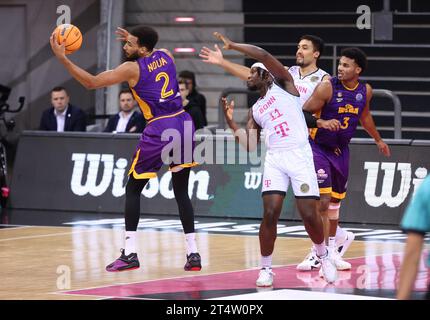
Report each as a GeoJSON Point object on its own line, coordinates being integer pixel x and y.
{"type": "Point", "coordinates": [68, 263]}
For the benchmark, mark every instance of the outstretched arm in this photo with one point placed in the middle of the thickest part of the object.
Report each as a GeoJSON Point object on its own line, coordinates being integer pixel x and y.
{"type": "Point", "coordinates": [126, 72]}
{"type": "Point", "coordinates": [409, 269]}
{"type": "Point", "coordinates": [368, 124]}
{"type": "Point", "coordinates": [248, 138]}
{"type": "Point", "coordinates": [216, 57]}
{"type": "Point", "coordinates": [274, 66]}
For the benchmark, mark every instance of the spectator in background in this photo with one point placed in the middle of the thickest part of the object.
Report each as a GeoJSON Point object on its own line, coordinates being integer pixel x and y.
{"type": "Point", "coordinates": [62, 116]}
{"type": "Point", "coordinates": [416, 223]}
{"type": "Point", "coordinates": [127, 119]}
{"type": "Point", "coordinates": [195, 98]}
{"type": "Point", "coordinates": [193, 110]}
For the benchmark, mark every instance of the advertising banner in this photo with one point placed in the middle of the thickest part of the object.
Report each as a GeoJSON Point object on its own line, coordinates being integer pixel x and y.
{"type": "Point", "coordinates": [87, 172]}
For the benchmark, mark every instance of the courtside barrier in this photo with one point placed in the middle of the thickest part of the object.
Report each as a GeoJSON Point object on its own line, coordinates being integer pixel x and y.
{"type": "Point", "coordinates": [87, 172]}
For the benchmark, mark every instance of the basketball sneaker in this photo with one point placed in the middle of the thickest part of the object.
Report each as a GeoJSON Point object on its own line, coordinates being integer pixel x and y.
{"type": "Point", "coordinates": [328, 269]}
{"type": "Point", "coordinates": [343, 245]}
{"type": "Point", "coordinates": [311, 262]}
{"type": "Point", "coordinates": [265, 278]}
{"type": "Point", "coordinates": [338, 261]}
{"type": "Point", "coordinates": [124, 263]}
{"type": "Point", "coordinates": [194, 262]}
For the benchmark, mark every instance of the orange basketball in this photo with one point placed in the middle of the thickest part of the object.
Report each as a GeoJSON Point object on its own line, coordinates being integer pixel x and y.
{"type": "Point", "coordinates": [71, 35]}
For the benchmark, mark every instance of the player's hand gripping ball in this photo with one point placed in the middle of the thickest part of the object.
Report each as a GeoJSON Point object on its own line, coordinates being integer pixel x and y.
{"type": "Point", "coordinates": [70, 35]}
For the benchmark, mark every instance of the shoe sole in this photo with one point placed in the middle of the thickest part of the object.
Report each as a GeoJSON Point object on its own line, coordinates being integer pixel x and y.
{"type": "Point", "coordinates": [128, 269]}
{"type": "Point", "coordinates": [194, 269]}
{"type": "Point", "coordinates": [343, 269]}
{"type": "Point", "coordinates": [264, 285]}
{"type": "Point", "coordinates": [307, 269]}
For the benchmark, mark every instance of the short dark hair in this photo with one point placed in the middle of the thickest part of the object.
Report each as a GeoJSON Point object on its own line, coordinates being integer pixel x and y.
{"type": "Point", "coordinates": [58, 89]}
{"type": "Point", "coordinates": [357, 55]}
{"type": "Point", "coordinates": [188, 75]}
{"type": "Point", "coordinates": [317, 43]}
{"type": "Point", "coordinates": [125, 91]}
{"type": "Point", "coordinates": [146, 36]}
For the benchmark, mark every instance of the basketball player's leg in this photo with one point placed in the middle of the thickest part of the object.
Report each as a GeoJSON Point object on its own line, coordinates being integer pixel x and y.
{"type": "Point", "coordinates": [128, 259]}
{"type": "Point", "coordinates": [272, 205]}
{"type": "Point", "coordinates": [301, 170]}
{"type": "Point", "coordinates": [180, 180]}
{"type": "Point", "coordinates": [182, 161]}
{"type": "Point", "coordinates": [146, 163]}
{"type": "Point", "coordinates": [323, 210]}
{"type": "Point", "coordinates": [275, 186]}
{"type": "Point", "coordinates": [340, 171]}
{"type": "Point", "coordinates": [323, 178]}
{"type": "Point", "coordinates": [339, 239]}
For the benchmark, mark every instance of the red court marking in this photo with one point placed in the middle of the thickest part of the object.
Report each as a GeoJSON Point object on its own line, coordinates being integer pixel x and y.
{"type": "Point", "coordinates": [375, 272]}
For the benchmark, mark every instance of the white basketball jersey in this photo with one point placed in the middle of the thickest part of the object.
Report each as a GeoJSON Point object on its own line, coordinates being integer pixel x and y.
{"type": "Point", "coordinates": [307, 84]}
{"type": "Point", "coordinates": [280, 115]}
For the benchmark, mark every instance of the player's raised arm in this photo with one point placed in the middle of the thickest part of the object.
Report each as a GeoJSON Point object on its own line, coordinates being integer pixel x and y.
{"type": "Point", "coordinates": [126, 72]}
{"type": "Point", "coordinates": [216, 57]}
{"type": "Point", "coordinates": [274, 66]}
{"type": "Point", "coordinates": [248, 138]}
{"type": "Point", "coordinates": [368, 124]}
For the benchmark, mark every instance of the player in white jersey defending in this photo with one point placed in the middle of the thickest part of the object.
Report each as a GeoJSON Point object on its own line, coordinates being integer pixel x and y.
{"type": "Point", "coordinates": [307, 75]}
{"type": "Point", "coordinates": [289, 156]}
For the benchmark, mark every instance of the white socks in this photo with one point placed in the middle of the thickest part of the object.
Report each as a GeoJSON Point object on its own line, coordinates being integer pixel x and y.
{"type": "Point", "coordinates": [266, 262]}
{"type": "Point", "coordinates": [130, 242]}
{"type": "Point", "coordinates": [340, 234]}
{"type": "Point", "coordinates": [190, 240]}
{"type": "Point", "coordinates": [331, 242]}
{"type": "Point", "coordinates": [320, 249]}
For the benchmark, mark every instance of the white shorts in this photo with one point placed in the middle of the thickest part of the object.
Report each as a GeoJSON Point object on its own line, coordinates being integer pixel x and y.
{"type": "Point", "coordinates": [296, 165]}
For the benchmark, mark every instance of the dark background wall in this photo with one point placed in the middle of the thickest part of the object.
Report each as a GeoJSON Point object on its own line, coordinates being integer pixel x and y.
{"type": "Point", "coordinates": [27, 63]}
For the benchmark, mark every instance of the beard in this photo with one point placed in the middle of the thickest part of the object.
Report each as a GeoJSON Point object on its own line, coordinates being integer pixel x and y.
{"type": "Point", "coordinates": [301, 63]}
{"type": "Point", "coordinates": [251, 87]}
{"type": "Point", "coordinates": [132, 57]}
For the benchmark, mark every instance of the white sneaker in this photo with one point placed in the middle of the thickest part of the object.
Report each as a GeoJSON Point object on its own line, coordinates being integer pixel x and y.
{"type": "Point", "coordinates": [265, 278]}
{"type": "Point", "coordinates": [338, 261]}
{"type": "Point", "coordinates": [342, 246]}
{"type": "Point", "coordinates": [311, 262]}
{"type": "Point", "coordinates": [328, 269]}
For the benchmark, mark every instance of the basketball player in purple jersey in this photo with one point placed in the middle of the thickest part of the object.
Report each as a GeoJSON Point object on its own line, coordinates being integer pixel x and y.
{"type": "Point", "coordinates": [151, 75]}
{"type": "Point", "coordinates": [347, 99]}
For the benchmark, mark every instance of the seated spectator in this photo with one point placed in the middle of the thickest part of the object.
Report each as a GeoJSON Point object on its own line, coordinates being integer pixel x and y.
{"type": "Point", "coordinates": [195, 98]}
{"type": "Point", "coordinates": [193, 110]}
{"type": "Point", "coordinates": [127, 120]}
{"type": "Point", "coordinates": [62, 116]}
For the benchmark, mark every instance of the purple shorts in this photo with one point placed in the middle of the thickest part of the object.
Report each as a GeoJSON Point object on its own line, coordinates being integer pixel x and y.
{"type": "Point", "coordinates": [332, 169]}
{"type": "Point", "coordinates": [165, 140]}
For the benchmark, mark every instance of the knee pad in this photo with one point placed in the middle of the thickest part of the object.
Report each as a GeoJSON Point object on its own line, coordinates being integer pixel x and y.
{"type": "Point", "coordinates": [333, 211]}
